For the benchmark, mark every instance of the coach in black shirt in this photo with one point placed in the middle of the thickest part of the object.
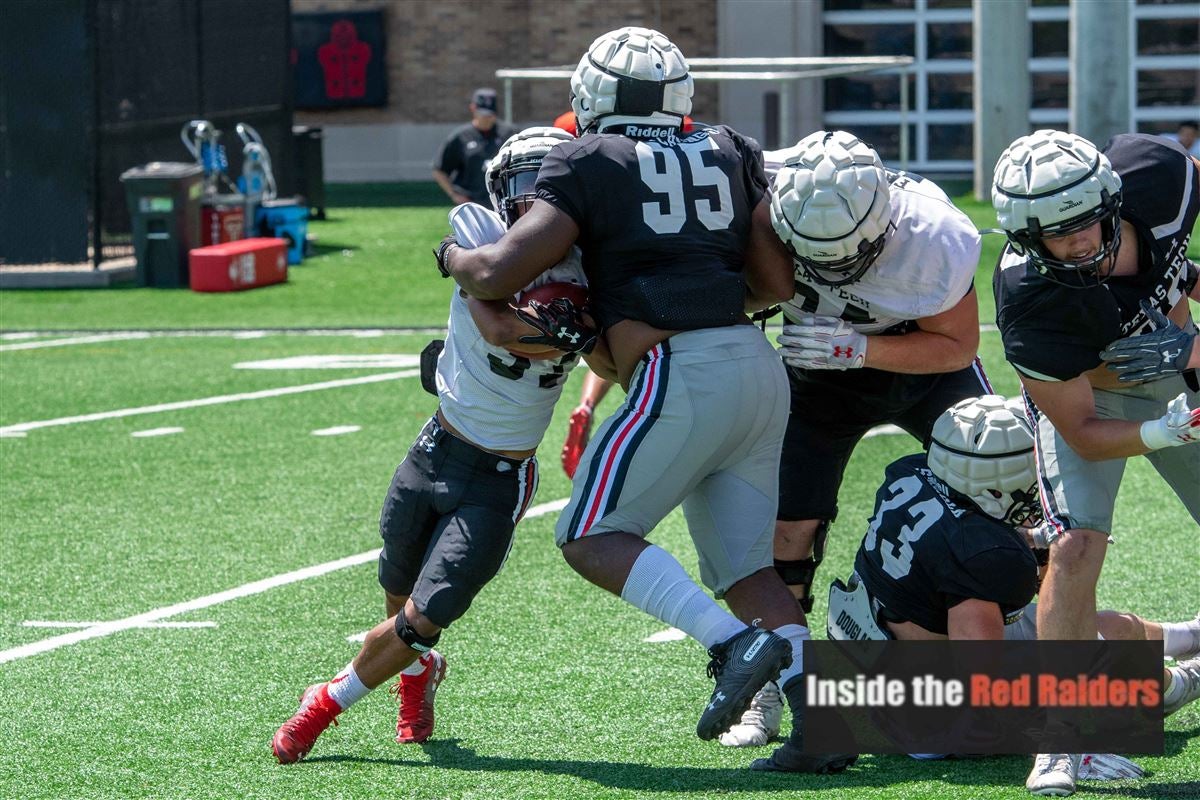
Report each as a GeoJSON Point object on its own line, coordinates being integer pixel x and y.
{"type": "Point", "coordinates": [459, 166]}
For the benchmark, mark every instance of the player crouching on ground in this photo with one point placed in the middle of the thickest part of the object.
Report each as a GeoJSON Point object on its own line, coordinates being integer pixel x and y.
{"type": "Point", "coordinates": [970, 572]}
{"type": "Point", "coordinates": [448, 519]}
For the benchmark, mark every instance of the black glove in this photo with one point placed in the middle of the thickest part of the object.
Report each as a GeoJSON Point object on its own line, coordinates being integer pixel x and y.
{"type": "Point", "coordinates": [442, 252]}
{"type": "Point", "coordinates": [1164, 350]}
{"type": "Point", "coordinates": [560, 325]}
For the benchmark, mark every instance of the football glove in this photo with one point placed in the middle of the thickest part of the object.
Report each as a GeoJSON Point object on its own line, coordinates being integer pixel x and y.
{"type": "Point", "coordinates": [1180, 425]}
{"type": "Point", "coordinates": [819, 342]}
{"type": "Point", "coordinates": [442, 253]}
{"type": "Point", "coordinates": [1164, 350]}
{"type": "Point", "coordinates": [559, 325]}
{"type": "Point", "coordinates": [1108, 767]}
{"type": "Point", "coordinates": [578, 430]}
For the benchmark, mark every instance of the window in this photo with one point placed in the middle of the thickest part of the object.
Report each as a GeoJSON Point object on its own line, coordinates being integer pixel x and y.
{"type": "Point", "coordinates": [951, 90]}
{"type": "Point", "coordinates": [1049, 39]}
{"type": "Point", "coordinates": [952, 141]}
{"type": "Point", "coordinates": [1168, 87]}
{"type": "Point", "coordinates": [1168, 37]}
{"type": "Point", "coordinates": [948, 40]}
{"type": "Point", "coordinates": [871, 92]}
{"type": "Point", "coordinates": [870, 40]}
{"type": "Point", "coordinates": [1049, 90]}
{"type": "Point", "coordinates": [885, 139]}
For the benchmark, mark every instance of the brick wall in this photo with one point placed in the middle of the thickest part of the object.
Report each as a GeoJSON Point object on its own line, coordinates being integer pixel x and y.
{"type": "Point", "coordinates": [439, 50]}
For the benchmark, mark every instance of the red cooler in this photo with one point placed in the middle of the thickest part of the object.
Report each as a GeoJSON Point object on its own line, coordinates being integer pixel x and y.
{"type": "Point", "coordinates": [222, 219]}
{"type": "Point", "coordinates": [243, 264]}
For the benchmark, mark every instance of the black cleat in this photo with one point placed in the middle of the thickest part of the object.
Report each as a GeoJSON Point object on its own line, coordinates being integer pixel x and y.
{"type": "Point", "coordinates": [790, 756]}
{"type": "Point", "coordinates": [741, 665]}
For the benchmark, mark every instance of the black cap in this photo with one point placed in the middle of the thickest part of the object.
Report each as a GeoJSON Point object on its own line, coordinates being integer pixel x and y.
{"type": "Point", "coordinates": [484, 100]}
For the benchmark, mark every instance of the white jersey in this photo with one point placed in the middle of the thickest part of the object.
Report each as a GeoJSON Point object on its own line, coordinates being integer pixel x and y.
{"type": "Point", "coordinates": [926, 267]}
{"type": "Point", "coordinates": [495, 399]}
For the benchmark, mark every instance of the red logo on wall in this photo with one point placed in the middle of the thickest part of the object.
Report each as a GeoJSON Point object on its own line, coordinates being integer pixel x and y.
{"type": "Point", "coordinates": [344, 59]}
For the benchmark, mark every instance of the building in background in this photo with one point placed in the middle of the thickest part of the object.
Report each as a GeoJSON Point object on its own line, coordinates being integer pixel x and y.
{"type": "Point", "coordinates": [437, 52]}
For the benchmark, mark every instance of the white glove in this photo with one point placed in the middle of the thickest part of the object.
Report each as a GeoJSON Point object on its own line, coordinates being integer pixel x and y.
{"type": "Point", "coordinates": [818, 342]}
{"type": "Point", "coordinates": [1108, 767]}
{"type": "Point", "coordinates": [1180, 425]}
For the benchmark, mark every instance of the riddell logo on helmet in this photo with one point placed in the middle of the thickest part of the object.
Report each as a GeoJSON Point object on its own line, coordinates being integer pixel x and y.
{"type": "Point", "coordinates": [1070, 204]}
{"type": "Point", "coordinates": [650, 132]}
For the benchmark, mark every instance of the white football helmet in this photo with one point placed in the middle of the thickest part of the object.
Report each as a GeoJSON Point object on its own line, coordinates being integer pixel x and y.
{"type": "Point", "coordinates": [983, 448]}
{"type": "Point", "coordinates": [1052, 183]}
{"type": "Point", "coordinates": [830, 205]}
{"type": "Point", "coordinates": [512, 173]}
{"type": "Point", "coordinates": [631, 75]}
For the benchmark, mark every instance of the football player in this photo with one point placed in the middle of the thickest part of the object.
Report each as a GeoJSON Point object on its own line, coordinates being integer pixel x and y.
{"type": "Point", "coordinates": [448, 518]}
{"type": "Point", "coordinates": [965, 569]}
{"type": "Point", "coordinates": [883, 328]}
{"type": "Point", "coordinates": [676, 238]}
{"type": "Point", "coordinates": [1092, 304]}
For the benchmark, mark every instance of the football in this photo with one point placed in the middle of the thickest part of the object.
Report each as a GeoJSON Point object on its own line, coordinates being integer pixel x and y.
{"type": "Point", "coordinates": [578, 295]}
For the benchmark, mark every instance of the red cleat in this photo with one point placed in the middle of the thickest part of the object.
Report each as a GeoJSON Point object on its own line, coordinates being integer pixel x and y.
{"type": "Point", "coordinates": [415, 693]}
{"type": "Point", "coordinates": [578, 430]}
{"type": "Point", "coordinates": [296, 737]}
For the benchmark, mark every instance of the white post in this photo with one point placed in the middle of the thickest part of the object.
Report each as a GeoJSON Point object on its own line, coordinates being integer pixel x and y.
{"type": "Point", "coordinates": [1099, 74]}
{"type": "Point", "coordinates": [1001, 39]}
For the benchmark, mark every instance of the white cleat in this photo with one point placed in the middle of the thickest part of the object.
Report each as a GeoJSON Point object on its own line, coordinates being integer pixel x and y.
{"type": "Point", "coordinates": [1194, 629]}
{"type": "Point", "coordinates": [1053, 775]}
{"type": "Point", "coordinates": [1108, 767]}
{"type": "Point", "coordinates": [761, 721]}
{"type": "Point", "coordinates": [1185, 685]}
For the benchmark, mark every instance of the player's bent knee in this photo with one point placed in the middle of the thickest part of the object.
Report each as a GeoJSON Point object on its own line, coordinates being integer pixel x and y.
{"type": "Point", "coordinates": [420, 634]}
{"type": "Point", "coordinates": [1078, 550]}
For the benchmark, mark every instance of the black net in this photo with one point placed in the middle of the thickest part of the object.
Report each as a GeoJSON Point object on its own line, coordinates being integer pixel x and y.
{"type": "Point", "coordinates": [143, 70]}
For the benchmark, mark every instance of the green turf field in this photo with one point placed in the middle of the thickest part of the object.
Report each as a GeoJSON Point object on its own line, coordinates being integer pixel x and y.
{"type": "Point", "coordinates": [179, 560]}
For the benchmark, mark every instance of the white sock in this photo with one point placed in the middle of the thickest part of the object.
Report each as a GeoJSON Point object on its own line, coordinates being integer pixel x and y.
{"type": "Point", "coordinates": [1178, 684]}
{"type": "Point", "coordinates": [1181, 637]}
{"type": "Point", "coordinates": [659, 585]}
{"type": "Point", "coordinates": [346, 689]}
{"type": "Point", "coordinates": [796, 635]}
{"type": "Point", "coordinates": [415, 668]}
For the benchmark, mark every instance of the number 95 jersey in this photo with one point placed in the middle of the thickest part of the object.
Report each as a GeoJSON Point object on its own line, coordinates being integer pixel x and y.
{"type": "Point", "coordinates": [498, 400]}
{"type": "Point", "coordinates": [925, 552]}
{"type": "Point", "coordinates": [926, 267]}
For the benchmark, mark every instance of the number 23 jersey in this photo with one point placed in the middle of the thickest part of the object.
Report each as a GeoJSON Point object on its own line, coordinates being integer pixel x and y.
{"type": "Point", "coordinates": [498, 400]}
{"type": "Point", "coordinates": [924, 553]}
{"type": "Point", "coordinates": [926, 267]}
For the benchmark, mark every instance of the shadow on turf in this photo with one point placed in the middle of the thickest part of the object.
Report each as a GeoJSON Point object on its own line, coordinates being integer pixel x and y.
{"type": "Point", "coordinates": [872, 772]}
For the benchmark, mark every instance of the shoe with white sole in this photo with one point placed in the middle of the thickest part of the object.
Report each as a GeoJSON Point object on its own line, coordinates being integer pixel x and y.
{"type": "Point", "coordinates": [1053, 775]}
{"type": "Point", "coordinates": [1188, 672]}
{"type": "Point", "coordinates": [760, 724]}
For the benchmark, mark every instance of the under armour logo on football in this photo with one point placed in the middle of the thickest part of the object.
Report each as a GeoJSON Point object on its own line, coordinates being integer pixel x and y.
{"type": "Point", "coordinates": [563, 333]}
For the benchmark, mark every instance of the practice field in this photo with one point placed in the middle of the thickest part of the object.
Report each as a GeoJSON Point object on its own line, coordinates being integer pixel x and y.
{"type": "Point", "coordinates": [189, 498]}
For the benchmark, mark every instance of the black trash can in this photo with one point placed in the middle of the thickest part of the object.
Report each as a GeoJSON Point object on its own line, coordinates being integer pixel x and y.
{"type": "Point", "coordinates": [310, 168]}
{"type": "Point", "coordinates": [164, 211]}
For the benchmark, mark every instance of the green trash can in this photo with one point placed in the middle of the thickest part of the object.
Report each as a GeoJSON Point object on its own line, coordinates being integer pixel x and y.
{"type": "Point", "coordinates": [164, 209]}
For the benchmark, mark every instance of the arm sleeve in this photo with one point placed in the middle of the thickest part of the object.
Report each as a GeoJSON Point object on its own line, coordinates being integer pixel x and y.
{"type": "Point", "coordinates": [559, 185]}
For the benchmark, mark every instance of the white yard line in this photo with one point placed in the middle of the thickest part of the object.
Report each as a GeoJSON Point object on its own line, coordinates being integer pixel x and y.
{"type": "Point", "coordinates": [245, 590]}
{"type": "Point", "coordinates": [92, 339]}
{"type": "Point", "coordinates": [156, 432]}
{"type": "Point", "coordinates": [49, 623]}
{"type": "Point", "coordinates": [206, 401]}
{"type": "Point", "coordinates": [116, 336]}
{"type": "Point", "coordinates": [337, 430]}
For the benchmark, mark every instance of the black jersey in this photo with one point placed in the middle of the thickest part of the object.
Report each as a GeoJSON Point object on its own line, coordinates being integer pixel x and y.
{"type": "Point", "coordinates": [663, 221]}
{"type": "Point", "coordinates": [465, 155]}
{"type": "Point", "coordinates": [924, 553]}
{"type": "Point", "coordinates": [1054, 332]}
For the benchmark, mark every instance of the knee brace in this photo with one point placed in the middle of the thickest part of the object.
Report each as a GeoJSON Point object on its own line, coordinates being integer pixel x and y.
{"type": "Point", "coordinates": [802, 571]}
{"type": "Point", "coordinates": [408, 635]}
